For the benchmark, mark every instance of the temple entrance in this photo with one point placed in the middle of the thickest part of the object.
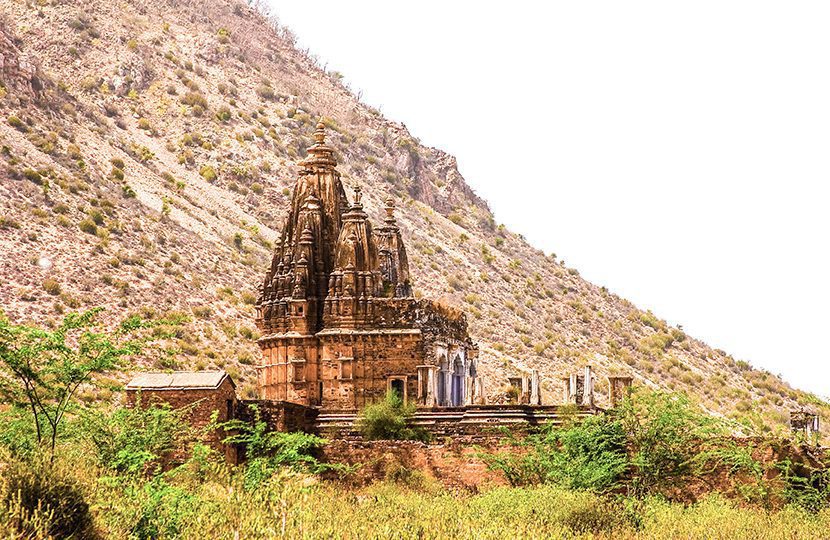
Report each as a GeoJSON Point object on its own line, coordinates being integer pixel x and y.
{"type": "Point", "coordinates": [443, 383]}
{"type": "Point", "coordinates": [397, 387]}
{"type": "Point", "coordinates": [442, 387]}
{"type": "Point", "coordinates": [457, 396]}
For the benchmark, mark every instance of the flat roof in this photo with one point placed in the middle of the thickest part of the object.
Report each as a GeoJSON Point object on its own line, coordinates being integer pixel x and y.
{"type": "Point", "coordinates": [179, 380]}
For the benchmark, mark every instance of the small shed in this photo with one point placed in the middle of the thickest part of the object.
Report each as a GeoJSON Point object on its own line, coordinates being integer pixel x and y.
{"type": "Point", "coordinates": [202, 391]}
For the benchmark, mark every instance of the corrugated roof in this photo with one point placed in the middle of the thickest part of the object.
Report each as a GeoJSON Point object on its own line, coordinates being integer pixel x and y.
{"type": "Point", "coordinates": [193, 380]}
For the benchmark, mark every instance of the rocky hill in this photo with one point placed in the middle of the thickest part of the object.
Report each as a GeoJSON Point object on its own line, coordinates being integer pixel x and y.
{"type": "Point", "coordinates": [147, 150]}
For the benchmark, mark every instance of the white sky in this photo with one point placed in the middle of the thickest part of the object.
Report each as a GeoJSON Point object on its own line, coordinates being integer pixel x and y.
{"type": "Point", "coordinates": [676, 152]}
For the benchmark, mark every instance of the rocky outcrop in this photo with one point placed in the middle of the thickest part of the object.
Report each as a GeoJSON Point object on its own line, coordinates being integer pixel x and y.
{"type": "Point", "coordinates": [19, 75]}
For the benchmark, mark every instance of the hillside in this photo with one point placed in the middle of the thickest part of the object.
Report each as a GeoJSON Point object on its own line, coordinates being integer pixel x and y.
{"type": "Point", "coordinates": [148, 150]}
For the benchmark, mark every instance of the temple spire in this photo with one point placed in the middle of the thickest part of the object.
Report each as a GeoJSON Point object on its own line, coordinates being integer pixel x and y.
{"type": "Point", "coordinates": [320, 155]}
{"type": "Point", "coordinates": [358, 196]}
{"type": "Point", "coordinates": [390, 212]}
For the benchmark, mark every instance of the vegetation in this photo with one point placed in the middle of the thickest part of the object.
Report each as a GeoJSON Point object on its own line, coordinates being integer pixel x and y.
{"type": "Point", "coordinates": [46, 368]}
{"type": "Point", "coordinates": [654, 443]}
{"type": "Point", "coordinates": [87, 471]}
{"type": "Point", "coordinates": [389, 419]}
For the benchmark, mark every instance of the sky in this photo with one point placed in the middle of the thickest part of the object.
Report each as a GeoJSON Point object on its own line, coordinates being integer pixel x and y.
{"type": "Point", "coordinates": [677, 153]}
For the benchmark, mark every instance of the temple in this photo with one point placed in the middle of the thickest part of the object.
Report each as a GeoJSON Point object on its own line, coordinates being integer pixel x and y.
{"type": "Point", "coordinates": [340, 326]}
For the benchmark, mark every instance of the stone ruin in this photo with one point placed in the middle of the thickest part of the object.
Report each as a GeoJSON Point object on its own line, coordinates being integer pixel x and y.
{"type": "Point", "coordinates": [340, 326]}
{"type": "Point", "coordinates": [579, 389]}
{"type": "Point", "coordinates": [804, 422]}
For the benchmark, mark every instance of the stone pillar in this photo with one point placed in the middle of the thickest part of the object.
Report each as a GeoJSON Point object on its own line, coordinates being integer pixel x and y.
{"type": "Point", "coordinates": [468, 390]}
{"type": "Point", "coordinates": [479, 398]}
{"type": "Point", "coordinates": [524, 399]}
{"type": "Point", "coordinates": [588, 388]}
{"type": "Point", "coordinates": [432, 387]}
{"type": "Point", "coordinates": [619, 386]}
{"type": "Point", "coordinates": [535, 394]}
{"type": "Point", "coordinates": [573, 392]}
{"type": "Point", "coordinates": [566, 389]}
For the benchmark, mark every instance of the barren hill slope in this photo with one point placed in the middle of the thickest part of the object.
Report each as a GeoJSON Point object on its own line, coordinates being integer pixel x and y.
{"type": "Point", "coordinates": [148, 150]}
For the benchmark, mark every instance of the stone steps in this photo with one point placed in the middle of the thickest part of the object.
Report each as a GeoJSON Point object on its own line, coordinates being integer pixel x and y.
{"type": "Point", "coordinates": [473, 420]}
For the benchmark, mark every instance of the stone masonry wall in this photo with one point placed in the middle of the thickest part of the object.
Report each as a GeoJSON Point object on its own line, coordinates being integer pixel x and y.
{"type": "Point", "coordinates": [455, 465]}
{"type": "Point", "coordinates": [202, 404]}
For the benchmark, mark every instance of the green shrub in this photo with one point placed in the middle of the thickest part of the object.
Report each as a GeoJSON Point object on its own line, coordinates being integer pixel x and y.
{"type": "Point", "coordinates": [45, 500]}
{"type": "Point", "coordinates": [389, 420]}
{"type": "Point", "coordinates": [208, 173]}
{"type": "Point", "coordinates": [18, 124]}
{"type": "Point", "coordinates": [587, 455]}
{"type": "Point", "coordinates": [268, 451]}
{"type": "Point", "coordinates": [195, 99]}
{"type": "Point", "coordinates": [88, 226]}
{"type": "Point", "coordinates": [137, 439]}
{"type": "Point", "coordinates": [664, 432]}
{"type": "Point", "coordinates": [223, 114]}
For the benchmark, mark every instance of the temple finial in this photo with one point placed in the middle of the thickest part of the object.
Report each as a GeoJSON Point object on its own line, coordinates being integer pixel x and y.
{"type": "Point", "coordinates": [390, 210]}
{"type": "Point", "coordinates": [320, 132]}
{"type": "Point", "coordinates": [358, 195]}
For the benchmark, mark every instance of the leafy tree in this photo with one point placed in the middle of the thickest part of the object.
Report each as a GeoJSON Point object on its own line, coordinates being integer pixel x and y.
{"type": "Point", "coordinates": [268, 451]}
{"type": "Point", "coordinates": [46, 368]}
{"type": "Point", "coordinates": [664, 433]}
{"type": "Point", "coordinates": [137, 439]}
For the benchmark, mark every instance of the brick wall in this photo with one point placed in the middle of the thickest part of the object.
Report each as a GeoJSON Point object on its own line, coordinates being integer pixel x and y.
{"type": "Point", "coordinates": [455, 465]}
{"type": "Point", "coordinates": [279, 415]}
{"type": "Point", "coordinates": [201, 403]}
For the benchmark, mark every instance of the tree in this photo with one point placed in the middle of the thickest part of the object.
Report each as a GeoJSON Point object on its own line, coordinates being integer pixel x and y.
{"type": "Point", "coordinates": [46, 368]}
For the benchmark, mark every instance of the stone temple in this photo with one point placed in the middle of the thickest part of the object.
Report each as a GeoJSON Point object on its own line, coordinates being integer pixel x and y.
{"type": "Point", "coordinates": [340, 326]}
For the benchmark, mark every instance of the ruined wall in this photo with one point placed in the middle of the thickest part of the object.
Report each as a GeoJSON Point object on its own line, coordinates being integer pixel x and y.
{"type": "Point", "coordinates": [201, 404]}
{"type": "Point", "coordinates": [455, 465]}
{"type": "Point", "coordinates": [279, 415]}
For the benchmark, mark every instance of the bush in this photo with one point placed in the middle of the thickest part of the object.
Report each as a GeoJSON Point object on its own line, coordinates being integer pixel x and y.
{"type": "Point", "coordinates": [268, 451]}
{"type": "Point", "coordinates": [195, 99]}
{"type": "Point", "coordinates": [51, 286]}
{"type": "Point", "coordinates": [586, 455]}
{"type": "Point", "coordinates": [17, 124]}
{"type": "Point", "coordinates": [208, 173]}
{"type": "Point", "coordinates": [389, 419]}
{"type": "Point", "coordinates": [88, 226]}
{"type": "Point", "coordinates": [40, 499]}
{"type": "Point", "coordinates": [137, 439]}
{"type": "Point", "coordinates": [265, 92]}
{"type": "Point", "coordinates": [223, 114]}
{"type": "Point", "coordinates": [664, 431]}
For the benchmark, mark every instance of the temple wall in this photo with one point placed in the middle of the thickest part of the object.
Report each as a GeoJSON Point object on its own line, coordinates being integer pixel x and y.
{"type": "Point", "coordinates": [356, 368]}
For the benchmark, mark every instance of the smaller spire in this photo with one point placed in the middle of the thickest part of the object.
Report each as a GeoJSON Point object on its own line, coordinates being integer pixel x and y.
{"type": "Point", "coordinates": [320, 132]}
{"type": "Point", "coordinates": [358, 195]}
{"type": "Point", "coordinates": [390, 211]}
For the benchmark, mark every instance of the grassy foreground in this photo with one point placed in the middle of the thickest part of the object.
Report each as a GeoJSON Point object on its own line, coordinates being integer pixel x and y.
{"type": "Point", "coordinates": [205, 499]}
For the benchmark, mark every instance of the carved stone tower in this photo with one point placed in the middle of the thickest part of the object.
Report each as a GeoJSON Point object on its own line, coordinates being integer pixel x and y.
{"type": "Point", "coordinates": [340, 325]}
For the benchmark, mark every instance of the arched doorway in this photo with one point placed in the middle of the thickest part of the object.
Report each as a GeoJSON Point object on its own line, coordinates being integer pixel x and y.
{"type": "Point", "coordinates": [457, 397]}
{"type": "Point", "coordinates": [442, 382]}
